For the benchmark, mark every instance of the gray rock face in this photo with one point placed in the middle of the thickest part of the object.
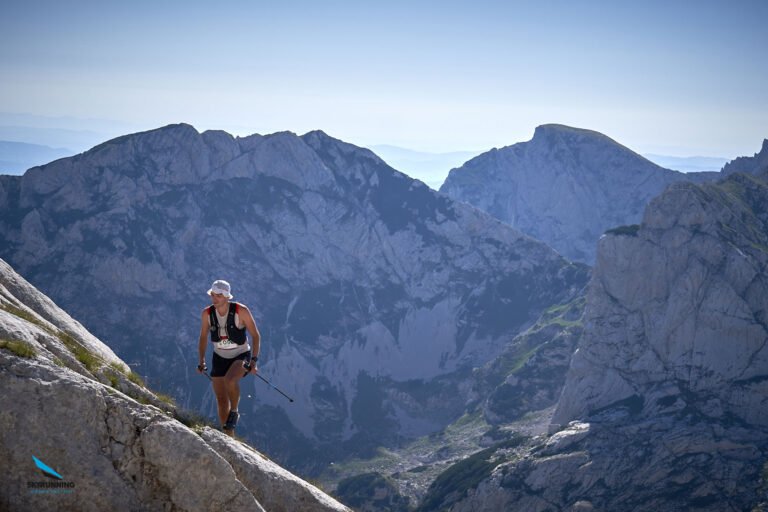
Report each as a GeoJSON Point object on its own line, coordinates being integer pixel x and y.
{"type": "Point", "coordinates": [530, 373]}
{"type": "Point", "coordinates": [660, 464]}
{"type": "Point", "coordinates": [664, 405]}
{"type": "Point", "coordinates": [678, 311]}
{"type": "Point", "coordinates": [566, 186]}
{"type": "Point", "coordinates": [756, 164]}
{"type": "Point", "coordinates": [113, 452]}
{"type": "Point", "coordinates": [365, 284]}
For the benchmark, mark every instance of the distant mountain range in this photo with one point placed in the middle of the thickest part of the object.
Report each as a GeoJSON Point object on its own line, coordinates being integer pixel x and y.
{"type": "Point", "coordinates": [75, 134]}
{"type": "Point", "coordinates": [370, 288]}
{"type": "Point", "coordinates": [17, 157]}
{"type": "Point", "coordinates": [688, 163]}
{"type": "Point", "coordinates": [566, 186]}
{"type": "Point", "coordinates": [398, 316]}
{"type": "Point", "coordinates": [431, 168]}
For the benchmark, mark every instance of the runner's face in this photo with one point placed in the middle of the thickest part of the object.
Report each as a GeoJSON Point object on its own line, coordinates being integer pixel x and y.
{"type": "Point", "coordinates": [218, 299]}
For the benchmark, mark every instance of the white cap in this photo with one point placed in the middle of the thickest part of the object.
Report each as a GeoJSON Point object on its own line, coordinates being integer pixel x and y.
{"type": "Point", "coordinates": [221, 287]}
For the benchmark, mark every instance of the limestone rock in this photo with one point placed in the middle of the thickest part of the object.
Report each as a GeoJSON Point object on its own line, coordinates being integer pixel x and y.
{"type": "Point", "coordinates": [364, 282]}
{"type": "Point", "coordinates": [659, 464]}
{"type": "Point", "coordinates": [678, 315]}
{"type": "Point", "coordinates": [112, 451]}
{"type": "Point", "coordinates": [529, 374]}
{"type": "Point", "coordinates": [749, 164]}
{"type": "Point", "coordinates": [663, 407]}
{"type": "Point", "coordinates": [566, 187]}
{"type": "Point", "coordinates": [275, 488]}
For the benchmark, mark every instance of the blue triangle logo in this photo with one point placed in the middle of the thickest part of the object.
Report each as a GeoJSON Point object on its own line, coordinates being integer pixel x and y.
{"type": "Point", "coordinates": [47, 470]}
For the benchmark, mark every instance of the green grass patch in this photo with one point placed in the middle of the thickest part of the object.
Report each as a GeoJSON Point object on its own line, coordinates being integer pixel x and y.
{"type": "Point", "coordinates": [20, 348]}
{"type": "Point", "coordinates": [136, 379]}
{"type": "Point", "coordinates": [193, 420]}
{"type": "Point", "coordinates": [118, 368]}
{"type": "Point", "coordinates": [523, 358]}
{"type": "Point", "coordinates": [24, 315]}
{"type": "Point", "coordinates": [91, 361]}
{"type": "Point", "coordinates": [114, 379]}
{"type": "Point", "coordinates": [564, 316]}
{"type": "Point", "coordinates": [132, 376]}
{"type": "Point", "coordinates": [468, 420]}
{"type": "Point", "coordinates": [166, 399]}
{"type": "Point", "coordinates": [557, 309]}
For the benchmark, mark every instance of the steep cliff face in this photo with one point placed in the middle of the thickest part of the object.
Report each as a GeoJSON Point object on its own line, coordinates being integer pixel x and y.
{"type": "Point", "coordinates": [366, 284]}
{"type": "Point", "coordinates": [565, 186]}
{"type": "Point", "coordinates": [755, 164]}
{"type": "Point", "coordinates": [663, 407]}
{"type": "Point", "coordinates": [71, 403]}
{"type": "Point", "coordinates": [678, 310]}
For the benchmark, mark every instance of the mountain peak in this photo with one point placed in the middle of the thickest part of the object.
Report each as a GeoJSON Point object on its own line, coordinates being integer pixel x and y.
{"type": "Point", "coordinates": [317, 133]}
{"type": "Point", "coordinates": [177, 131]}
{"type": "Point", "coordinates": [749, 164]}
{"type": "Point", "coordinates": [323, 143]}
{"type": "Point", "coordinates": [563, 186]}
{"type": "Point", "coordinates": [569, 134]}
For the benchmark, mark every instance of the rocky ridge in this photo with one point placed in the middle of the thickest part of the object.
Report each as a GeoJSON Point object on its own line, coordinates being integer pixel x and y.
{"type": "Point", "coordinates": [566, 187]}
{"type": "Point", "coordinates": [749, 164]}
{"type": "Point", "coordinates": [678, 308]}
{"type": "Point", "coordinates": [368, 287]}
{"type": "Point", "coordinates": [68, 400]}
{"type": "Point", "coordinates": [664, 404]}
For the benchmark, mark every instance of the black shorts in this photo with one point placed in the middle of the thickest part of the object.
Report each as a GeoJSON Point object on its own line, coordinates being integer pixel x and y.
{"type": "Point", "coordinates": [222, 364]}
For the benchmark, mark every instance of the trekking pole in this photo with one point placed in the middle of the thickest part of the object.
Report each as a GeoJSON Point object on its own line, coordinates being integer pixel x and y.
{"type": "Point", "coordinates": [274, 387]}
{"type": "Point", "coordinates": [247, 367]}
{"type": "Point", "coordinates": [205, 372]}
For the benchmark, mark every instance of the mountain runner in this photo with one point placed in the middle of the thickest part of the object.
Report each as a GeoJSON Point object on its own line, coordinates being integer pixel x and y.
{"type": "Point", "coordinates": [227, 322]}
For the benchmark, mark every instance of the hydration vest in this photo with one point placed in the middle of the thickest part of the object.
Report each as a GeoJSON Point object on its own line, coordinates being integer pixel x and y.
{"type": "Point", "coordinates": [234, 334]}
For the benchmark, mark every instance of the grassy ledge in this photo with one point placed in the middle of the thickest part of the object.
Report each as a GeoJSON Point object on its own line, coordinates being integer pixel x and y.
{"type": "Point", "coordinates": [20, 348]}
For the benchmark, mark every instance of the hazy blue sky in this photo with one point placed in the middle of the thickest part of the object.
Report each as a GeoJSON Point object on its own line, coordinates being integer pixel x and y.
{"type": "Point", "coordinates": [679, 78]}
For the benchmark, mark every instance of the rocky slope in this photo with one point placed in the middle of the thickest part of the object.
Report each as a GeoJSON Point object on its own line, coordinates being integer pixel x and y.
{"type": "Point", "coordinates": [512, 395]}
{"type": "Point", "coordinates": [368, 287]}
{"type": "Point", "coordinates": [749, 164]}
{"type": "Point", "coordinates": [529, 374]}
{"type": "Point", "coordinates": [70, 402]}
{"type": "Point", "coordinates": [664, 404]}
{"type": "Point", "coordinates": [565, 186]}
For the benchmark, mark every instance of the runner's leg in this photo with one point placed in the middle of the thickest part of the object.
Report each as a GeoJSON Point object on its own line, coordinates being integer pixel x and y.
{"type": "Point", "coordinates": [232, 380]}
{"type": "Point", "coordinates": [222, 398]}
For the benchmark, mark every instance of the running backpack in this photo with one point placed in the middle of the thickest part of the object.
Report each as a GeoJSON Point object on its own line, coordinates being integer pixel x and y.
{"type": "Point", "coordinates": [233, 333]}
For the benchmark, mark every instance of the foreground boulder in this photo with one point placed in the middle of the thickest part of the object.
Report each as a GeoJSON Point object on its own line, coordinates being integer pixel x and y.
{"type": "Point", "coordinates": [68, 402]}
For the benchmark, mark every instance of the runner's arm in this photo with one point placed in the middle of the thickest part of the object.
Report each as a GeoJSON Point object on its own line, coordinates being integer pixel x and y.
{"type": "Point", "coordinates": [202, 343]}
{"type": "Point", "coordinates": [250, 324]}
